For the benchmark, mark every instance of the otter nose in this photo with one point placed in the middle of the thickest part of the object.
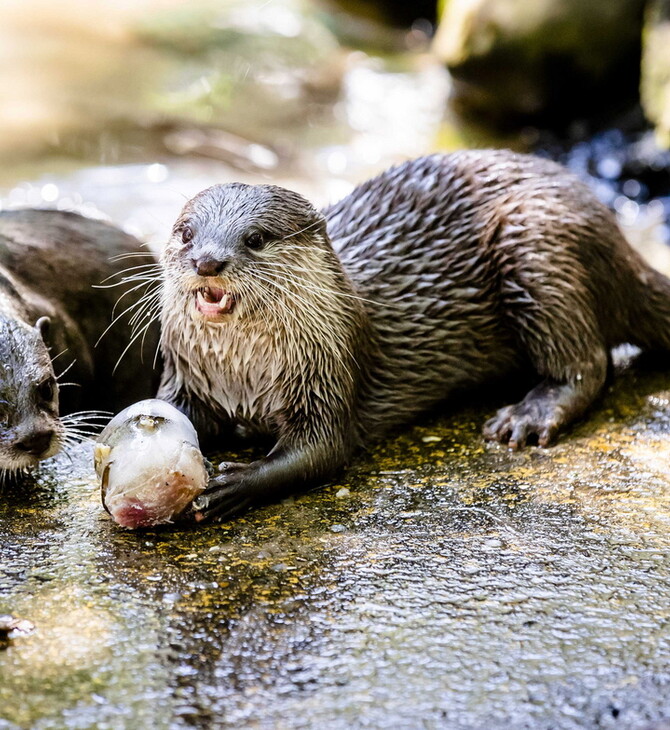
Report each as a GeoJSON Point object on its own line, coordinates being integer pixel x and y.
{"type": "Point", "coordinates": [35, 443]}
{"type": "Point", "coordinates": [208, 266]}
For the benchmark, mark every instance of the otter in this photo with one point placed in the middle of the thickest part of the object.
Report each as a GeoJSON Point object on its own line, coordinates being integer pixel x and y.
{"type": "Point", "coordinates": [325, 329]}
{"type": "Point", "coordinates": [49, 311]}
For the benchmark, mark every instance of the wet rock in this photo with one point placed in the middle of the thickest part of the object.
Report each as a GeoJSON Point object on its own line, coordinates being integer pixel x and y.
{"type": "Point", "coordinates": [392, 12]}
{"type": "Point", "coordinates": [554, 59]}
{"type": "Point", "coordinates": [12, 627]}
{"type": "Point", "coordinates": [655, 81]}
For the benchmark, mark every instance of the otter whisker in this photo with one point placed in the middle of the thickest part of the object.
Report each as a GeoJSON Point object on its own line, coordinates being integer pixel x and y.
{"type": "Point", "coordinates": [147, 292]}
{"type": "Point", "coordinates": [58, 377]}
{"type": "Point", "coordinates": [317, 222]}
{"type": "Point", "coordinates": [87, 431]}
{"type": "Point", "coordinates": [314, 287]}
{"type": "Point", "coordinates": [149, 302]}
{"type": "Point", "coordinates": [73, 439]}
{"type": "Point", "coordinates": [140, 277]}
{"type": "Point", "coordinates": [90, 412]}
{"type": "Point", "coordinates": [146, 268]}
{"type": "Point", "coordinates": [275, 297]}
{"type": "Point", "coordinates": [138, 304]}
{"type": "Point", "coordinates": [92, 419]}
{"type": "Point", "coordinates": [309, 306]}
{"type": "Point", "coordinates": [84, 425]}
{"type": "Point", "coordinates": [133, 254]}
{"type": "Point", "coordinates": [55, 357]}
{"type": "Point", "coordinates": [151, 314]}
{"type": "Point", "coordinates": [133, 339]}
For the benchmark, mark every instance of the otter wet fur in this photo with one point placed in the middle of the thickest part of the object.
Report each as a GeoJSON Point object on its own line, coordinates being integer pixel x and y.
{"type": "Point", "coordinates": [51, 317]}
{"type": "Point", "coordinates": [326, 329]}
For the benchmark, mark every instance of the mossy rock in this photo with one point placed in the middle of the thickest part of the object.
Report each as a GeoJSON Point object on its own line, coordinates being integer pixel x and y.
{"type": "Point", "coordinates": [655, 81]}
{"type": "Point", "coordinates": [397, 13]}
{"type": "Point", "coordinates": [553, 60]}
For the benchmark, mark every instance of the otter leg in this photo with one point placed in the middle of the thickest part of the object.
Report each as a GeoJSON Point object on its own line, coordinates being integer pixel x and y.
{"type": "Point", "coordinates": [557, 328]}
{"type": "Point", "coordinates": [547, 409]}
{"type": "Point", "coordinates": [285, 469]}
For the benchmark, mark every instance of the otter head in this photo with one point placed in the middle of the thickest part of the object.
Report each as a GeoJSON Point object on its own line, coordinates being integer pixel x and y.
{"type": "Point", "coordinates": [29, 427]}
{"type": "Point", "coordinates": [241, 250]}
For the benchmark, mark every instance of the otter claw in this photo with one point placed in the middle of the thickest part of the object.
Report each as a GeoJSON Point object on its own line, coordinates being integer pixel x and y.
{"type": "Point", "coordinates": [225, 495]}
{"type": "Point", "coordinates": [228, 466]}
{"type": "Point", "coordinates": [223, 510]}
{"type": "Point", "coordinates": [522, 423]}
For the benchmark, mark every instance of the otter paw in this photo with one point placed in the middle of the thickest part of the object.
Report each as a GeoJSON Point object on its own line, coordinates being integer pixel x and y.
{"type": "Point", "coordinates": [226, 495]}
{"type": "Point", "coordinates": [519, 424]}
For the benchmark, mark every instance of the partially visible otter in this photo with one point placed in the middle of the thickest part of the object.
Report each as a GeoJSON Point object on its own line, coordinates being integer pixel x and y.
{"type": "Point", "coordinates": [49, 264]}
{"type": "Point", "coordinates": [440, 274]}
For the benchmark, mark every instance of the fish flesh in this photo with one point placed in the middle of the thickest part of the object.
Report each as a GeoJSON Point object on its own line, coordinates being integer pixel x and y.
{"type": "Point", "coordinates": [150, 465]}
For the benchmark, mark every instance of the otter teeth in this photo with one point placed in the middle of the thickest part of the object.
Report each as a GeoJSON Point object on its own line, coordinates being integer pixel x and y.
{"type": "Point", "coordinates": [213, 301]}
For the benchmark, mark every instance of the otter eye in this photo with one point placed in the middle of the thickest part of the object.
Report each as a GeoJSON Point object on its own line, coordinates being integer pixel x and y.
{"type": "Point", "coordinates": [186, 234]}
{"type": "Point", "coordinates": [254, 241]}
{"type": "Point", "coordinates": [45, 390]}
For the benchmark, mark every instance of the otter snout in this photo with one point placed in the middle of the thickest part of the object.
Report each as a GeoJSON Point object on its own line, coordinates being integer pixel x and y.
{"type": "Point", "coordinates": [208, 265]}
{"type": "Point", "coordinates": [36, 443]}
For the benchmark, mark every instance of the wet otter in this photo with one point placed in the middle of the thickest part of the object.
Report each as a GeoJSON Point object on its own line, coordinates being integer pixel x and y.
{"type": "Point", "coordinates": [49, 262]}
{"type": "Point", "coordinates": [440, 274]}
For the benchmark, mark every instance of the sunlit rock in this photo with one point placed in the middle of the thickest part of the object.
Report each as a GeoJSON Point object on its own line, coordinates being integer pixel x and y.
{"type": "Point", "coordinates": [655, 81]}
{"type": "Point", "coordinates": [554, 59]}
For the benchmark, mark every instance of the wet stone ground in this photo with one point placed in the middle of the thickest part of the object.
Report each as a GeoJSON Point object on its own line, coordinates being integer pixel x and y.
{"type": "Point", "coordinates": [442, 583]}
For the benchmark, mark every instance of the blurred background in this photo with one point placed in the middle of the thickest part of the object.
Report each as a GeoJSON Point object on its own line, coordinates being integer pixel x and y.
{"type": "Point", "coordinates": [121, 109]}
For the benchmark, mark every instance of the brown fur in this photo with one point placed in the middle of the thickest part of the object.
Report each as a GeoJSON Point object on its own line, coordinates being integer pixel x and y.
{"type": "Point", "coordinates": [434, 277]}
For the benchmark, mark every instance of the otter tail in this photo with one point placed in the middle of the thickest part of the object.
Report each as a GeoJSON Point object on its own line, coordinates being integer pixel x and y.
{"type": "Point", "coordinates": [649, 319]}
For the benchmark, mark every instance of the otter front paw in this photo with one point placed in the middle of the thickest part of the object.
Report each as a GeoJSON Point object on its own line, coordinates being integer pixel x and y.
{"type": "Point", "coordinates": [517, 425]}
{"type": "Point", "coordinates": [227, 494]}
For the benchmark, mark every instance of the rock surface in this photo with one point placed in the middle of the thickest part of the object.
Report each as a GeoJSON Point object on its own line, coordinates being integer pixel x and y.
{"type": "Point", "coordinates": [655, 81]}
{"type": "Point", "coordinates": [442, 583]}
{"type": "Point", "coordinates": [550, 60]}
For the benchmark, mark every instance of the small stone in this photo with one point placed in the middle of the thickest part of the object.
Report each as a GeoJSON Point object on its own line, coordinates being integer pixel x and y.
{"type": "Point", "coordinates": [342, 493]}
{"type": "Point", "coordinates": [12, 627]}
{"type": "Point", "coordinates": [337, 528]}
{"type": "Point", "coordinates": [43, 575]}
{"type": "Point", "coordinates": [431, 439]}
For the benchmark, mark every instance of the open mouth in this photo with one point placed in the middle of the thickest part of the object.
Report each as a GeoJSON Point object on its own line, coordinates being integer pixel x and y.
{"type": "Point", "coordinates": [213, 302]}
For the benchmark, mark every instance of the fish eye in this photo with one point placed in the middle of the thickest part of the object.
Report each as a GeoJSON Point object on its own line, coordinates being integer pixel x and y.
{"type": "Point", "coordinates": [186, 234]}
{"type": "Point", "coordinates": [46, 390]}
{"type": "Point", "coordinates": [254, 241]}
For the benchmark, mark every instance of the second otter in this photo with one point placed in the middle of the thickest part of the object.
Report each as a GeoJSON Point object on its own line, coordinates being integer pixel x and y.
{"type": "Point", "coordinates": [49, 263]}
{"type": "Point", "coordinates": [325, 329]}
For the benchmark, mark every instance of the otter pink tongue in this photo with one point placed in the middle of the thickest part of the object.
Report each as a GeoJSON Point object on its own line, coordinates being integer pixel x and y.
{"type": "Point", "coordinates": [212, 301]}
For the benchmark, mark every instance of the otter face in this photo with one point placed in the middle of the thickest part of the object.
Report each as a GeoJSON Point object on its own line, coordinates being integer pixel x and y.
{"type": "Point", "coordinates": [29, 426]}
{"type": "Point", "coordinates": [237, 249]}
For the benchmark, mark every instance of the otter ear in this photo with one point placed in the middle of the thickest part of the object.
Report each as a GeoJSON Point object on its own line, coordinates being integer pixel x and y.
{"type": "Point", "coordinates": [42, 326]}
